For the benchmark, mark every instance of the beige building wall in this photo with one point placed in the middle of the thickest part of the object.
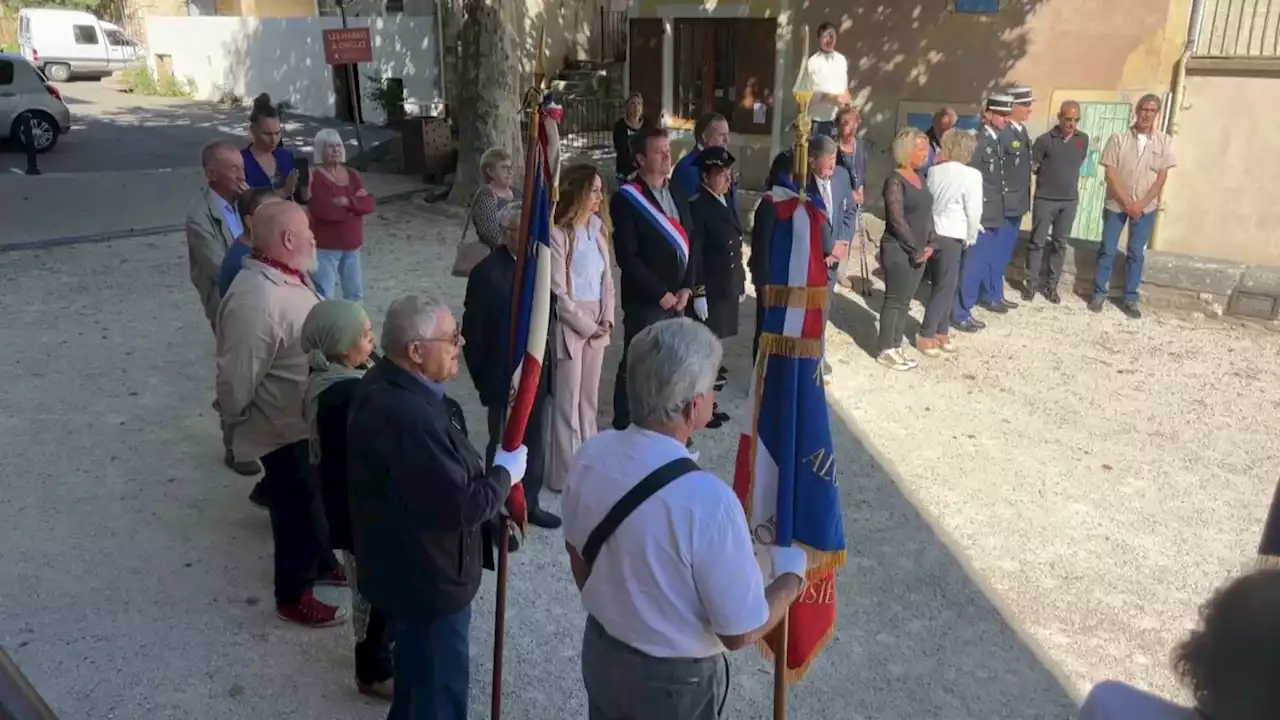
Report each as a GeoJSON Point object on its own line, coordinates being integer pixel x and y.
{"type": "Point", "coordinates": [1218, 202]}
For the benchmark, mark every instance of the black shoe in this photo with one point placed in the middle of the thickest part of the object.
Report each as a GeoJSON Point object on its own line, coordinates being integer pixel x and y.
{"type": "Point", "coordinates": [248, 468]}
{"type": "Point", "coordinates": [720, 383]}
{"type": "Point", "coordinates": [1052, 296]}
{"type": "Point", "coordinates": [1131, 309]}
{"type": "Point", "coordinates": [718, 414]}
{"type": "Point", "coordinates": [543, 519]}
{"type": "Point", "coordinates": [258, 496]}
{"type": "Point", "coordinates": [997, 308]}
{"type": "Point", "coordinates": [1028, 293]}
{"type": "Point", "coordinates": [968, 326]}
{"type": "Point", "coordinates": [1095, 305]}
{"type": "Point", "coordinates": [714, 422]}
{"type": "Point", "coordinates": [1009, 304]}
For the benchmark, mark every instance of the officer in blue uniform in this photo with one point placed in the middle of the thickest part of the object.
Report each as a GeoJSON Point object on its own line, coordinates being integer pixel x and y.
{"type": "Point", "coordinates": [1015, 144]}
{"type": "Point", "coordinates": [981, 262]}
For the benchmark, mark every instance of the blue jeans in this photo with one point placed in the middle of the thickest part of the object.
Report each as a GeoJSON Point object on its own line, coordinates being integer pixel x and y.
{"type": "Point", "coordinates": [334, 264]}
{"type": "Point", "coordinates": [975, 273]}
{"type": "Point", "coordinates": [432, 666]}
{"type": "Point", "coordinates": [1135, 254]}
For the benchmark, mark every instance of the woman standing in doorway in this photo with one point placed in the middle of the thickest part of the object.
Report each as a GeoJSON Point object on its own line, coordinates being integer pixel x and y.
{"type": "Point", "coordinates": [629, 124]}
{"type": "Point", "coordinates": [266, 163]}
{"type": "Point", "coordinates": [582, 282]}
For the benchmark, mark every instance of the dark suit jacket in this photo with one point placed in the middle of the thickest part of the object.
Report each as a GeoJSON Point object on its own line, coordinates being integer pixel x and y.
{"type": "Point", "coordinates": [988, 158]}
{"type": "Point", "coordinates": [420, 495]}
{"type": "Point", "coordinates": [486, 326]}
{"type": "Point", "coordinates": [716, 233]}
{"type": "Point", "coordinates": [650, 267]}
{"type": "Point", "coordinates": [842, 217]}
{"type": "Point", "coordinates": [1015, 145]}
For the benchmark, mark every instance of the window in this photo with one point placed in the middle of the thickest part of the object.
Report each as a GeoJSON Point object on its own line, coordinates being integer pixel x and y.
{"type": "Point", "coordinates": [976, 7]}
{"type": "Point", "coordinates": [6, 72]}
{"type": "Point", "coordinates": [115, 38]}
{"type": "Point", "coordinates": [394, 6]}
{"type": "Point", "coordinates": [711, 73]}
{"type": "Point", "coordinates": [85, 34]}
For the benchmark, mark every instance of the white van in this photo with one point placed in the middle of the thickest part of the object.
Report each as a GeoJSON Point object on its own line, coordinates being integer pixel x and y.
{"type": "Point", "coordinates": [71, 43]}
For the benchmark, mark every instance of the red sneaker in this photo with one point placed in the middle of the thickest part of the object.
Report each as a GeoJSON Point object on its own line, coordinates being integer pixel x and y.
{"type": "Point", "coordinates": [334, 578]}
{"type": "Point", "coordinates": [310, 612]}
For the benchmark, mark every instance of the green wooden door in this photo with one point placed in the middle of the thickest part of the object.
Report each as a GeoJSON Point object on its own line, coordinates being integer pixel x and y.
{"type": "Point", "coordinates": [1100, 121]}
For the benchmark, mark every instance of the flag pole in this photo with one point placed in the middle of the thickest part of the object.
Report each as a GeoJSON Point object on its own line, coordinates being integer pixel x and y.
{"type": "Point", "coordinates": [799, 176]}
{"type": "Point", "coordinates": [533, 100]}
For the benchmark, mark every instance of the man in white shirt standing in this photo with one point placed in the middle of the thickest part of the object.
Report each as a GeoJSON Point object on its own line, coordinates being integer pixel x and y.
{"type": "Point", "coordinates": [660, 549]}
{"type": "Point", "coordinates": [826, 74]}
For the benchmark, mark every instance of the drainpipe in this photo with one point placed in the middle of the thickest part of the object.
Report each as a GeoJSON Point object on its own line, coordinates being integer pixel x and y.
{"type": "Point", "coordinates": [1177, 93]}
{"type": "Point", "coordinates": [440, 56]}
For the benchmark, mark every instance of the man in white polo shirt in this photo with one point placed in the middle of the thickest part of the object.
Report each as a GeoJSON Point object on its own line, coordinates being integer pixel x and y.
{"type": "Point", "coordinates": [660, 549]}
{"type": "Point", "coordinates": [826, 74]}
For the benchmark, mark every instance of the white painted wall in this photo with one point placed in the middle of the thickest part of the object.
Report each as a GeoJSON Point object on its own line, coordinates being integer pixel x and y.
{"type": "Point", "coordinates": [285, 58]}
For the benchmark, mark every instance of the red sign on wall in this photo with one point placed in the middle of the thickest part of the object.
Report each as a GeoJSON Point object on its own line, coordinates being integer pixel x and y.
{"type": "Point", "coordinates": [348, 46]}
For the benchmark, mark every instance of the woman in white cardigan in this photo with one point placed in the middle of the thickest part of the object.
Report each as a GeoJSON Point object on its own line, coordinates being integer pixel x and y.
{"type": "Point", "coordinates": [582, 282]}
{"type": "Point", "coordinates": [957, 218]}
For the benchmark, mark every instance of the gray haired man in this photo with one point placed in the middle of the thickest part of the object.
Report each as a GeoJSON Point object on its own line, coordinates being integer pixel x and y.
{"type": "Point", "coordinates": [835, 189]}
{"type": "Point", "coordinates": [1056, 158]}
{"type": "Point", "coordinates": [638, 509]}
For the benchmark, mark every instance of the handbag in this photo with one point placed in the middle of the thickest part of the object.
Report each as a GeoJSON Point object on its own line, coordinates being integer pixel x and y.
{"type": "Point", "coordinates": [468, 254]}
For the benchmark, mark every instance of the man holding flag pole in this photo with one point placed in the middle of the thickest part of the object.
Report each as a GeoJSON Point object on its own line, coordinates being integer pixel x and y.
{"type": "Point", "coordinates": [786, 474]}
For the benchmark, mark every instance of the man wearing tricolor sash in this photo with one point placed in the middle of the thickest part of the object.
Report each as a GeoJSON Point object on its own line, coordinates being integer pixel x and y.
{"type": "Point", "coordinates": [659, 269]}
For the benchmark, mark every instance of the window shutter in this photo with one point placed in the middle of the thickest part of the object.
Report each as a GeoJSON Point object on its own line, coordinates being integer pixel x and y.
{"type": "Point", "coordinates": [754, 74]}
{"type": "Point", "coordinates": [644, 56]}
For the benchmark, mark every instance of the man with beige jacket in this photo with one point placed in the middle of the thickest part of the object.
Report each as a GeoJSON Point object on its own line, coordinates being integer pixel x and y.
{"type": "Point", "coordinates": [262, 381]}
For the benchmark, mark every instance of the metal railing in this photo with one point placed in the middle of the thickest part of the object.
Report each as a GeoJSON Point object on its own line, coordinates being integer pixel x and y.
{"type": "Point", "coordinates": [613, 35]}
{"type": "Point", "coordinates": [588, 122]}
{"type": "Point", "coordinates": [1239, 28]}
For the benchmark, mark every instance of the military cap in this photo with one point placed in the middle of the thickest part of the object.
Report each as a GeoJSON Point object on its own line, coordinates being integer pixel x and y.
{"type": "Point", "coordinates": [713, 157]}
{"type": "Point", "coordinates": [999, 103]}
{"type": "Point", "coordinates": [1021, 95]}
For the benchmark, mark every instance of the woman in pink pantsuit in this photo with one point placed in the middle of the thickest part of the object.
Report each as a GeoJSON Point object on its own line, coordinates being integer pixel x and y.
{"type": "Point", "coordinates": [582, 280]}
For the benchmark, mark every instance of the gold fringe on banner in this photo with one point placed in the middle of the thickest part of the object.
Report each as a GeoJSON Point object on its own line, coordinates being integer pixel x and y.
{"type": "Point", "coordinates": [774, 344]}
{"type": "Point", "coordinates": [809, 298]}
{"type": "Point", "coordinates": [1267, 561]}
{"type": "Point", "coordinates": [794, 675]}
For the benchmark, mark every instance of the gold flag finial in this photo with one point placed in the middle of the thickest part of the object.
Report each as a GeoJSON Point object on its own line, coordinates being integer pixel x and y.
{"type": "Point", "coordinates": [800, 164]}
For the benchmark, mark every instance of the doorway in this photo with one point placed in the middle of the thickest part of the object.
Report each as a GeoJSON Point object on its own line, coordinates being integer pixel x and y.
{"type": "Point", "coordinates": [343, 92]}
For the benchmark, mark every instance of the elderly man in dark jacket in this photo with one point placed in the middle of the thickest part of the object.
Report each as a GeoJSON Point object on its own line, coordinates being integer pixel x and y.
{"type": "Point", "coordinates": [420, 497]}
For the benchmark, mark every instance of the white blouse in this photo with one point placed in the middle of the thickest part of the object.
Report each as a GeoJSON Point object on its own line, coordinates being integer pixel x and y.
{"type": "Point", "coordinates": [587, 264]}
{"type": "Point", "coordinates": [957, 201]}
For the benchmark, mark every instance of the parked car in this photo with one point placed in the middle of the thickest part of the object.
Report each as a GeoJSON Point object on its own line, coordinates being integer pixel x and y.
{"type": "Point", "coordinates": [27, 96]}
{"type": "Point", "coordinates": [73, 43]}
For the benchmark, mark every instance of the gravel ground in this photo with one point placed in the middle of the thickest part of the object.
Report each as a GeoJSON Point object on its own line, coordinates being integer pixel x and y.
{"type": "Point", "coordinates": [1040, 512]}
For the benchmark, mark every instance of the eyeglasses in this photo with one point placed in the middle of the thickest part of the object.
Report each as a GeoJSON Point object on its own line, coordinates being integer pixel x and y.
{"type": "Point", "coordinates": [455, 338]}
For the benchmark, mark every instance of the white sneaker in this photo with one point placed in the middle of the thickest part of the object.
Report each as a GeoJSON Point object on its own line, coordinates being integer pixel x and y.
{"type": "Point", "coordinates": [893, 360]}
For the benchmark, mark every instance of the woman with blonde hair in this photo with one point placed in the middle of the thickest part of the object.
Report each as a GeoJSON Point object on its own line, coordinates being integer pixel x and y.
{"type": "Point", "coordinates": [496, 190]}
{"type": "Point", "coordinates": [582, 281]}
{"type": "Point", "coordinates": [907, 243]}
{"type": "Point", "coordinates": [339, 203]}
{"type": "Point", "coordinates": [957, 219]}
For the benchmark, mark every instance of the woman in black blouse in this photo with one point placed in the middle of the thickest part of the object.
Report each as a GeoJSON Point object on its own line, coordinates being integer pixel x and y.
{"type": "Point", "coordinates": [906, 245]}
{"type": "Point", "coordinates": [629, 124]}
{"type": "Point", "coordinates": [338, 339]}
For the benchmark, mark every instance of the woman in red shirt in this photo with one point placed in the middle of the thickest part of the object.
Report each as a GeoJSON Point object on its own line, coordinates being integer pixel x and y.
{"type": "Point", "coordinates": [338, 205]}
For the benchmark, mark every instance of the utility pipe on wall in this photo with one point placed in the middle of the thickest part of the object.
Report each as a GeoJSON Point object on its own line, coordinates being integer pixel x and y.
{"type": "Point", "coordinates": [1177, 92]}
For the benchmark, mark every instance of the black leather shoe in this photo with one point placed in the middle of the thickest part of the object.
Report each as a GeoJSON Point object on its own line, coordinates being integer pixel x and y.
{"type": "Point", "coordinates": [258, 496]}
{"type": "Point", "coordinates": [1095, 305]}
{"type": "Point", "coordinates": [997, 308]}
{"type": "Point", "coordinates": [1009, 304]}
{"type": "Point", "coordinates": [1028, 293]}
{"type": "Point", "coordinates": [968, 326]}
{"type": "Point", "coordinates": [1131, 309]}
{"type": "Point", "coordinates": [543, 519]}
{"type": "Point", "coordinates": [248, 468]}
{"type": "Point", "coordinates": [718, 414]}
{"type": "Point", "coordinates": [1052, 295]}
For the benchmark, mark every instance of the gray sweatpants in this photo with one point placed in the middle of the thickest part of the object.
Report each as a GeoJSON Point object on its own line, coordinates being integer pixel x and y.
{"type": "Point", "coordinates": [625, 684]}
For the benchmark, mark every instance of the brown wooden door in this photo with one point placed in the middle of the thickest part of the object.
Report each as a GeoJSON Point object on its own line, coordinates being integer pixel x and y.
{"type": "Point", "coordinates": [644, 56]}
{"type": "Point", "coordinates": [754, 74]}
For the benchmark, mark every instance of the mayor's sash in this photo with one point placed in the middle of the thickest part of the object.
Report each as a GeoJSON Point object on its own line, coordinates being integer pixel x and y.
{"type": "Point", "coordinates": [669, 228]}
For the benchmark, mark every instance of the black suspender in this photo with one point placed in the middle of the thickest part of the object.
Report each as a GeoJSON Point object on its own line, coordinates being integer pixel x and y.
{"type": "Point", "coordinates": [635, 497]}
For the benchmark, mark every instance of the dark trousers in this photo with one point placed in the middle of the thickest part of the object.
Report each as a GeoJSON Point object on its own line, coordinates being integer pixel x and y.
{"type": "Point", "coordinates": [373, 653]}
{"type": "Point", "coordinates": [901, 279]}
{"type": "Point", "coordinates": [974, 274]}
{"type": "Point", "coordinates": [298, 529]}
{"type": "Point", "coordinates": [625, 684]}
{"type": "Point", "coordinates": [1051, 222]}
{"type": "Point", "coordinates": [433, 668]}
{"type": "Point", "coordinates": [1002, 254]}
{"type": "Point", "coordinates": [633, 321]}
{"type": "Point", "coordinates": [535, 438]}
{"type": "Point", "coordinates": [944, 274]}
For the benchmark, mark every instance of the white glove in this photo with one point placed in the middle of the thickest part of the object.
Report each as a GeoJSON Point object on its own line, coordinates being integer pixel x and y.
{"type": "Point", "coordinates": [700, 308]}
{"type": "Point", "coordinates": [786, 560]}
{"type": "Point", "coordinates": [514, 461]}
{"type": "Point", "coordinates": [742, 297]}
{"type": "Point", "coordinates": [970, 242]}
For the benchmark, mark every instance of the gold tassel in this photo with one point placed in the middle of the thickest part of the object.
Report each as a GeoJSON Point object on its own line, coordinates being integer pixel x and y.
{"type": "Point", "coordinates": [809, 298]}
{"type": "Point", "coordinates": [773, 344]}
{"type": "Point", "coordinates": [1267, 561]}
{"type": "Point", "coordinates": [794, 675]}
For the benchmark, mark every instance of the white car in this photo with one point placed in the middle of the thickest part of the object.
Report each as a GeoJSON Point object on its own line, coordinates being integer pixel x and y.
{"type": "Point", "coordinates": [73, 43]}
{"type": "Point", "coordinates": [28, 99]}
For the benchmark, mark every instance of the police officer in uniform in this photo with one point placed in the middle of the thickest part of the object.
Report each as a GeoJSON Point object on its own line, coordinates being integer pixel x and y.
{"type": "Point", "coordinates": [981, 261]}
{"type": "Point", "coordinates": [716, 236]}
{"type": "Point", "coordinates": [1015, 144]}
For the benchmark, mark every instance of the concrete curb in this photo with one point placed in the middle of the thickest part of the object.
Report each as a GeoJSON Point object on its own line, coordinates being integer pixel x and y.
{"type": "Point", "coordinates": [130, 233]}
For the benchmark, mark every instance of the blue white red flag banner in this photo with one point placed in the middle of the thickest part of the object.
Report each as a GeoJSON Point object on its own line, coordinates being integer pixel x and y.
{"type": "Point", "coordinates": [670, 229]}
{"type": "Point", "coordinates": [786, 470]}
{"type": "Point", "coordinates": [533, 283]}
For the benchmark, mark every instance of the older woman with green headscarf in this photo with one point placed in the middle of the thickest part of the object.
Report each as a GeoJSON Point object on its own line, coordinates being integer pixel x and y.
{"type": "Point", "coordinates": [338, 339]}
